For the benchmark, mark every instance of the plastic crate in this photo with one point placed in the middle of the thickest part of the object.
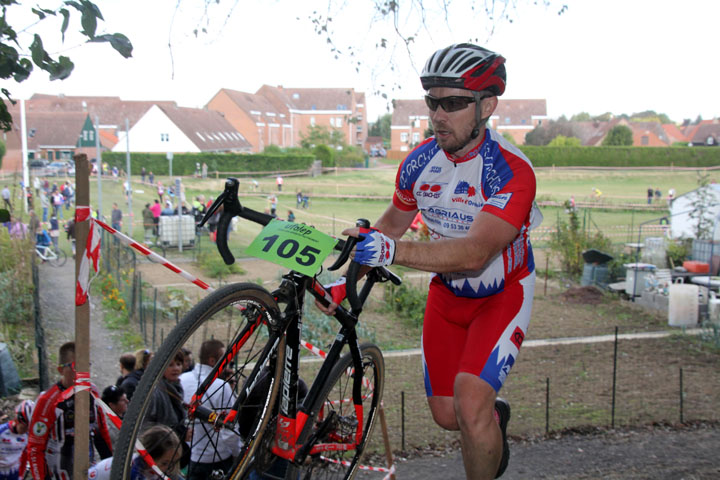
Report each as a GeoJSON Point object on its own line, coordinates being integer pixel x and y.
{"type": "Point", "coordinates": [168, 230]}
{"type": "Point", "coordinates": [696, 267]}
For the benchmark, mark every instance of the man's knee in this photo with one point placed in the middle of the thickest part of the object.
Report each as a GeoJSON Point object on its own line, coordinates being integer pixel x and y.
{"type": "Point", "coordinates": [474, 402]}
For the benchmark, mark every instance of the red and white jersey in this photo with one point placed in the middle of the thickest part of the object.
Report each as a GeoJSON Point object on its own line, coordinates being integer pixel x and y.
{"type": "Point", "coordinates": [11, 448]}
{"type": "Point", "coordinates": [496, 178]}
{"type": "Point", "coordinates": [52, 433]}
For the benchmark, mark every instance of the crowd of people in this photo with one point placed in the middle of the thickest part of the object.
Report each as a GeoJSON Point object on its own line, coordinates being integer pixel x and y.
{"type": "Point", "coordinates": [39, 438]}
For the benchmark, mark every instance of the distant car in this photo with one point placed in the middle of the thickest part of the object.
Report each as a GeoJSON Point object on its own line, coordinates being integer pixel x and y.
{"type": "Point", "coordinates": [57, 168]}
{"type": "Point", "coordinates": [37, 163]}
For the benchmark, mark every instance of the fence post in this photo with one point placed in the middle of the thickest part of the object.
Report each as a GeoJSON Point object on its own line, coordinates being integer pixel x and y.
{"type": "Point", "coordinates": [614, 382]}
{"type": "Point", "coordinates": [547, 405]}
{"type": "Point", "coordinates": [402, 421]}
{"type": "Point", "coordinates": [681, 396]}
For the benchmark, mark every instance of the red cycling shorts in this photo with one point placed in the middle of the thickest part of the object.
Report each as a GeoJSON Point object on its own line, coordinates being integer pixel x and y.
{"type": "Point", "coordinates": [480, 336]}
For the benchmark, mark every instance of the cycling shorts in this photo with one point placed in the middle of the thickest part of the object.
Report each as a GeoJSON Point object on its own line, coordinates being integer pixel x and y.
{"type": "Point", "coordinates": [480, 336]}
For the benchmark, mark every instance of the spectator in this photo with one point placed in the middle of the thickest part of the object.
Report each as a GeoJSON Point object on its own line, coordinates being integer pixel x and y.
{"type": "Point", "coordinates": [649, 195]}
{"type": "Point", "coordinates": [166, 402]}
{"type": "Point", "coordinates": [658, 194]}
{"type": "Point", "coordinates": [36, 185]}
{"type": "Point", "coordinates": [115, 398]}
{"type": "Point", "coordinates": [142, 175]}
{"type": "Point", "coordinates": [151, 178]}
{"type": "Point", "coordinates": [188, 362]}
{"type": "Point", "coordinates": [17, 228]}
{"type": "Point", "coordinates": [44, 204]}
{"type": "Point", "coordinates": [168, 210]}
{"type": "Point", "coordinates": [34, 225]}
{"type": "Point", "coordinates": [279, 181]}
{"type": "Point", "coordinates": [163, 446]}
{"type": "Point", "coordinates": [148, 223]}
{"type": "Point", "coordinates": [127, 366]}
{"type": "Point", "coordinates": [160, 190]}
{"type": "Point", "coordinates": [204, 170]}
{"type": "Point", "coordinates": [13, 440]}
{"type": "Point", "coordinates": [156, 210]}
{"type": "Point", "coordinates": [6, 198]}
{"type": "Point", "coordinates": [116, 217]}
{"type": "Point", "coordinates": [272, 199]}
{"type": "Point", "coordinates": [220, 398]}
{"type": "Point", "coordinates": [52, 429]}
{"type": "Point", "coordinates": [142, 360]}
{"type": "Point", "coordinates": [291, 216]}
{"type": "Point", "coordinates": [70, 230]}
{"type": "Point", "coordinates": [299, 199]}
{"type": "Point", "coordinates": [55, 232]}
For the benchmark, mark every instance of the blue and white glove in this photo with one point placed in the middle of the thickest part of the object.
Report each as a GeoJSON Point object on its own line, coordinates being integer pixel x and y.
{"type": "Point", "coordinates": [374, 248]}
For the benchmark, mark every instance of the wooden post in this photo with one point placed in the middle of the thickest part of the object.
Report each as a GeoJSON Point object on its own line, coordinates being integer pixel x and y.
{"type": "Point", "coordinates": [386, 440]}
{"type": "Point", "coordinates": [82, 328]}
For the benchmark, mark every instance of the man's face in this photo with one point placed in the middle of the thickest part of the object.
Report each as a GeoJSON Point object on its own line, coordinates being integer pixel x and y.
{"type": "Point", "coordinates": [453, 130]}
{"type": "Point", "coordinates": [21, 427]}
{"type": "Point", "coordinates": [121, 406]}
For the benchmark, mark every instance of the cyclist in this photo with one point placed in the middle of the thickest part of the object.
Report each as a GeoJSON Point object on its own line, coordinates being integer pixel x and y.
{"type": "Point", "coordinates": [476, 193]}
{"type": "Point", "coordinates": [13, 438]}
{"type": "Point", "coordinates": [52, 429]}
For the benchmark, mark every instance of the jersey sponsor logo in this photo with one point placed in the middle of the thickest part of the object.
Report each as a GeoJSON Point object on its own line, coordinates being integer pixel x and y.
{"type": "Point", "coordinates": [412, 166]}
{"type": "Point", "coordinates": [500, 200]}
{"type": "Point", "coordinates": [450, 214]}
{"type": "Point", "coordinates": [517, 337]}
{"type": "Point", "coordinates": [464, 188]}
{"type": "Point", "coordinates": [435, 169]}
{"type": "Point", "coordinates": [467, 201]}
{"type": "Point", "coordinates": [431, 190]}
{"type": "Point", "coordinates": [402, 195]}
{"type": "Point", "coordinates": [39, 429]}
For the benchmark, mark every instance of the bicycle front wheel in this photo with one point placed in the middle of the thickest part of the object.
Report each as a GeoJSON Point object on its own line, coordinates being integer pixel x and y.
{"type": "Point", "coordinates": [239, 315]}
{"type": "Point", "coordinates": [60, 257]}
{"type": "Point", "coordinates": [336, 401]}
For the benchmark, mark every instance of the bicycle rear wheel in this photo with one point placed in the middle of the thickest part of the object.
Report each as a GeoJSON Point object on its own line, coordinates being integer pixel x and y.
{"type": "Point", "coordinates": [59, 259]}
{"type": "Point", "coordinates": [336, 400]}
{"type": "Point", "coordinates": [239, 315]}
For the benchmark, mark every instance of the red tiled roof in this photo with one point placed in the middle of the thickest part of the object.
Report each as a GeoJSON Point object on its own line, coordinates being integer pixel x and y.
{"type": "Point", "coordinates": [310, 98]}
{"type": "Point", "coordinates": [251, 103]}
{"type": "Point", "coordinates": [207, 129]}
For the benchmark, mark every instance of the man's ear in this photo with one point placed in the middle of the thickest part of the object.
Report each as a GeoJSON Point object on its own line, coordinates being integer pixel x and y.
{"type": "Point", "coordinates": [489, 106]}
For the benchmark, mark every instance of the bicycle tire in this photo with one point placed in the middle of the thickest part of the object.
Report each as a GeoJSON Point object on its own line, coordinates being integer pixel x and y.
{"type": "Point", "coordinates": [60, 258]}
{"type": "Point", "coordinates": [338, 389]}
{"type": "Point", "coordinates": [248, 344]}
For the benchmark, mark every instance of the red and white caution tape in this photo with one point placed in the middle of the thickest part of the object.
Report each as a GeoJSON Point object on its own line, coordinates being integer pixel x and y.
{"type": "Point", "coordinates": [345, 463]}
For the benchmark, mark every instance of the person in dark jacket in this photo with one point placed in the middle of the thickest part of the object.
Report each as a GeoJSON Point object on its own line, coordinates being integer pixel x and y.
{"type": "Point", "coordinates": [129, 384]}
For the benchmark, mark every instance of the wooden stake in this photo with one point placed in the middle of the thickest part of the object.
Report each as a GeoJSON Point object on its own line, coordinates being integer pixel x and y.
{"type": "Point", "coordinates": [82, 328]}
{"type": "Point", "coordinates": [386, 440]}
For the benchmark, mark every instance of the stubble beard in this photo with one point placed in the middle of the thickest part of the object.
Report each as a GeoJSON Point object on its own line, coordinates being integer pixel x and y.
{"type": "Point", "coordinates": [453, 144]}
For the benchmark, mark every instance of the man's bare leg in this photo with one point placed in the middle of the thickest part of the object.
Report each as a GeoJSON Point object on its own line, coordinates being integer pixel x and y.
{"type": "Point", "coordinates": [471, 411]}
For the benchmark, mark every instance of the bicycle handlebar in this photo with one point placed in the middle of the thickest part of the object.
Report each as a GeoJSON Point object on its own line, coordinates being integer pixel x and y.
{"type": "Point", "coordinates": [228, 204]}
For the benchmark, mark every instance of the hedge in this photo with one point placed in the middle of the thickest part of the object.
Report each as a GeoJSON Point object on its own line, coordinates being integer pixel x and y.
{"type": "Point", "coordinates": [695, 157]}
{"type": "Point", "coordinates": [184, 163]}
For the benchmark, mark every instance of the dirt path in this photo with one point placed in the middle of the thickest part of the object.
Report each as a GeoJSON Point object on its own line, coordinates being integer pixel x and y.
{"type": "Point", "coordinates": [658, 453]}
{"type": "Point", "coordinates": [57, 307]}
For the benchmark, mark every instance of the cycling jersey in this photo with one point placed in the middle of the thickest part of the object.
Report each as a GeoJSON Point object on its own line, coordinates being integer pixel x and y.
{"type": "Point", "coordinates": [11, 450]}
{"type": "Point", "coordinates": [475, 321]}
{"type": "Point", "coordinates": [52, 431]}
{"type": "Point", "coordinates": [495, 177]}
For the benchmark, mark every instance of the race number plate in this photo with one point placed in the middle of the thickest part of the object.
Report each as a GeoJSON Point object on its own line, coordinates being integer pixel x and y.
{"type": "Point", "coordinates": [297, 247]}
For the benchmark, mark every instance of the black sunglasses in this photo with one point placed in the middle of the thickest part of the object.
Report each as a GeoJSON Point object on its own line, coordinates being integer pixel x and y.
{"type": "Point", "coordinates": [449, 104]}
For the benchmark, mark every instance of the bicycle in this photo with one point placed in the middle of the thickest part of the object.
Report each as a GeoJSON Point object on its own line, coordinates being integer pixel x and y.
{"type": "Point", "coordinates": [55, 257]}
{"type": "Point", "coordinates": [253, 398]}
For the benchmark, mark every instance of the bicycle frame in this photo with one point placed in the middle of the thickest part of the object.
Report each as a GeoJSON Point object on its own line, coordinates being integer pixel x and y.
{"type": "Point", "coordinates": [47, 252]}
{"type": "Point", "coordinates": [291, 416]}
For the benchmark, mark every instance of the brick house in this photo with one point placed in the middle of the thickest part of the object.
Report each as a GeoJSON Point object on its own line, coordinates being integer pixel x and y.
{"type": "Point", "coordinates": [281, 116]}
{"type": "Point", "coordinates": [177, 129]}
{"type": "Point", "coordinates": [410, 120]}
{"type": "Point", "coordinates": [55, 123]}
{"type": "Point", "coordinates": [706, 134]}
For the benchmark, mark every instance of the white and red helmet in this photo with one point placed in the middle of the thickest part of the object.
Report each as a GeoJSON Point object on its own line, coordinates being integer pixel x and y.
{"type": "Point", "coordinates": [23, 411]}
{"type": "Point", "coordinates": [465, 66]}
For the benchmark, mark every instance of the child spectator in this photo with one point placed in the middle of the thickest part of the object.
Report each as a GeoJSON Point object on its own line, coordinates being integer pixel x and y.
{"type": "Point", "coordinates": [115, 398]}
{"type": "Point", "coordinates": [142, 360]}
{"type": "Point", "coordinates": [127, 366]}
{"type": "Point", "coordinates": [13, 439]}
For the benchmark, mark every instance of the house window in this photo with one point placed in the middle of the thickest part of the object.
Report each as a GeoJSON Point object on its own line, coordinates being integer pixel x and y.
{"type": "Point", "coordinates": [332, 121]}
{"type": "Point", "coordinates": [312, 121]}
{"type": "Point", "coordinates": [404, 137]}
{"type": "Point", "coordinates": [507, 120]}
{"type": "Point", "coordinates": [710, 141]}
{"type": "Point", "coordinates": [416, 123]}
{"type": "Point", "coordinates": [338, 122]}
{"type": "Point", "coordinates": [416, 137]}
{"type": "Point", "coordinates": [645, 140]}
{"type": "Point", "coordinates": [164, 137]}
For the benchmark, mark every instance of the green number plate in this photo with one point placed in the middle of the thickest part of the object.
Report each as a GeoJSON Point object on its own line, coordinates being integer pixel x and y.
{"type": "Point", "coordinates": [297, 247]}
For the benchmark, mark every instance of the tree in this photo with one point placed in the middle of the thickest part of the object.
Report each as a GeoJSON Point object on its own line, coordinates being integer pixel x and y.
{"type": "Point", "coordinates": [563, 141]}
{"type": "Point", "coordinates": [544, 133]}
{"type": "Point", "coordinates": [381, 128]}
{"type": "Point", "coordinates": [581, 117]}
{"type": "Point", "coordinates": [619, 135]}
{"type": "Point", "coordinates": [701, 208]}
{"type": "Point", "coordinates": [509, 138]}
{"type": "Point", "coordinates": [17, 65]}
{"type": "Point", "coordinates": [320, 134]}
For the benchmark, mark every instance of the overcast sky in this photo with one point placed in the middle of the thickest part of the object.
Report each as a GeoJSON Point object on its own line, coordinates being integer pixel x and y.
{"type": "Point", "coordinates": [622, 56]}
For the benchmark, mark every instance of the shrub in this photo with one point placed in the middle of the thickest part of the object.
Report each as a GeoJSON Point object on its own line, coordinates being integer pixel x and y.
{"type": "Point", "coordinates": [406, 303]}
